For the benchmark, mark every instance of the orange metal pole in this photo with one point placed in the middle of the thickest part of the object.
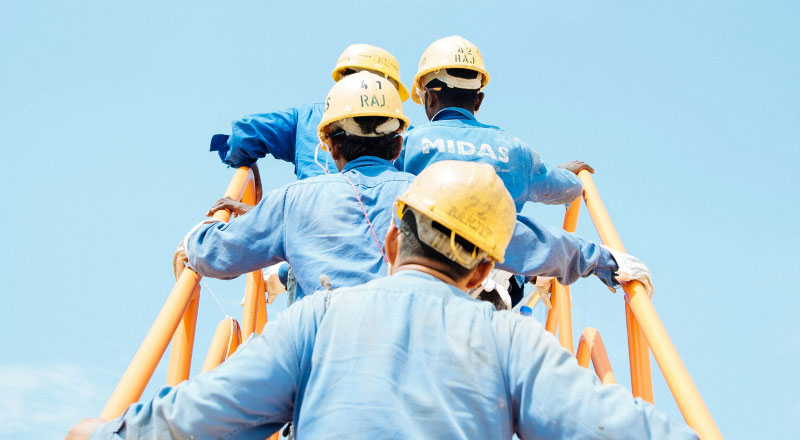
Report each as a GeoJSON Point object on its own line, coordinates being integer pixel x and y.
{"type": "Point", "coordinates": [686, 395]}
{"type": "Point", "coordinates": [251, 293]}
{"type": "Point", "coordinates": [249, 194]}
{"type": "Point", "coordinates": [236, 190]}
{"type": "Point", "coordinates": [646, 320]}
{"type": "Point", "coordinates": [180, 355]}
{"type": "Point", "coordinates": [562, 292]}
{"type": "Point", "coordinates": [556, 311]}
{"type": "Point", "coordinates": [641, 379]}
{"type": "Point", "coordinates": [145, 361]}
{"type": "Point", "coordinates": [564, 315]}
{"type": "Point", "coordinates": [148, 355]}
{"type": "Point", "coordinates": [591, 347]}
{"type": "Point", "coordinates": [261, 306]}
{"type": "Point", "coordinates": [551, 324]}
{"type": "Point", "coordinates": [226, 340]}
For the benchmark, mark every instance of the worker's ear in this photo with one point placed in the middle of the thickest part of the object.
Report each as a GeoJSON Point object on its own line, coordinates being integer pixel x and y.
{"type": "Point", "coordinates": [479, 101]}
{"type": "Point", "coordinates": [431, 103]}
{"type": "Point", "coordinates": [478, 274]}
{"type": "Point", "coordinates": [398, 146]}
{"type": "Point", "coordinates": [336, 154]}
{"type": "Point", "coordinates": [392, 243]}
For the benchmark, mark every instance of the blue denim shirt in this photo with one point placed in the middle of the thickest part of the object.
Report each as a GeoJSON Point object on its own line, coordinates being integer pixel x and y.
{"type": "Point", "coordinates": [289, 135]}
{"type": "Point", "coordinates": [315, 224]}
{"type": "Point", "coordinates": [406, 356]}
{"type": "Point", "coordinates": [455, 134]}
{"type": "Point", "coordinates": [318, 226]}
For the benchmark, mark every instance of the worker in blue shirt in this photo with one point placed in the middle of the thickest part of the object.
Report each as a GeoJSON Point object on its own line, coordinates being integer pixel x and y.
{"type": "Point", "coordinates": [404, 356]}
{"type": "Point", "coordinates": [328, 224]}
{"type": "Point", "coordinates": [291, 135]}
{"type": "Point", "coordinates": [332, 225]}
{"type": "Point", "coordinates": [448, 83]}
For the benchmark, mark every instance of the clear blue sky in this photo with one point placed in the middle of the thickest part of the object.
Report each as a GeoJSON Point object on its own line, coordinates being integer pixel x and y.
{"type": "Point", "coordinates": [689, 111]}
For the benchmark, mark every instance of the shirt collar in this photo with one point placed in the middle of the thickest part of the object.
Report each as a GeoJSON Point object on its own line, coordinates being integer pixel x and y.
{"type": "Point", "coordinates": [453, 113]}
{"type": "Point", "coordinates": [366, 161]}
{"type": "Point", "coordinates": [411, 273]}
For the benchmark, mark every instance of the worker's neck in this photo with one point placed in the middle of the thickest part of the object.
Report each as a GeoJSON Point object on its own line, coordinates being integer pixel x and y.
{"type": "Point", "coordinates": [442, 107]}
{"type": "Point", "coordinates": [431, 271]}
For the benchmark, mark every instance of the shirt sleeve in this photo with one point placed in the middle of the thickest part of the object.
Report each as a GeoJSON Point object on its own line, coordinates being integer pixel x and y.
{"type": "Point", "coordinates": [551, 185]}
{"type": "Point", "coordinates": [552, 397]}
{"type": "Point", "coordinates": [255, 136]}
{"type": "Point", "coordinates": [535, 250]}
{"type": "Point", "coordinates": [249, 396]}
{"type": "Point", "coordinates": [249, 242]}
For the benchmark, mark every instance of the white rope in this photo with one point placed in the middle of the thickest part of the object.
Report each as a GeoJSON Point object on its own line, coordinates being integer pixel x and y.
{"type": "Point", "coordinates": [216, 299]}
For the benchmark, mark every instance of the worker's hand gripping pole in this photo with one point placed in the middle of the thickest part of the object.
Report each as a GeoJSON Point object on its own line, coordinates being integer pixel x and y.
{"type": "Point", "coordinates": [144, 362]}
{"type": "Point", "coordinates": [644, 326]}
{"type": "Point", "coordinates": [242, 187]}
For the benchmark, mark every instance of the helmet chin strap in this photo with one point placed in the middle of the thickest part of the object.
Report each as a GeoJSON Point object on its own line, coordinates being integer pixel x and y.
{"type": "Point", "coordinates": [316, 158]}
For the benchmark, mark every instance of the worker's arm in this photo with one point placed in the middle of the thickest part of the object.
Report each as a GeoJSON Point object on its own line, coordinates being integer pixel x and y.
{"type": "Point", "coordinates": [255, 136]}
{"type": "Point", "coordinates": [251, 395]}
{"type": "Point", "coordinates": [249, 242]}
{"type": "Point", "coordinates": [536, 250]}
{"type": "Point", "coordinates": [551, 185]}
{"type": "Point", "coordinates": [553, 397]}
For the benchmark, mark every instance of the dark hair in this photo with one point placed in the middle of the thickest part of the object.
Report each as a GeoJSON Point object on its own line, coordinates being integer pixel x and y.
{"type": "Point", "coordinates": [453, 97]}
{"type": "Point", "coordinates": [352, 147]}
{"type": "Point", "coordinates": [413, 247]}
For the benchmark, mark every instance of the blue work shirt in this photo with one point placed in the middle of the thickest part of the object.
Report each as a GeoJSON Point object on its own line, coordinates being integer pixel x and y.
{"type": "Point", "coordinates": [289, 135]}
{"type": "Point", "coordinates": [318, 226]}
{"type": "Point", "coordinates": [454, 134]}
{"type": "Point", "coordinates": [406, 356]}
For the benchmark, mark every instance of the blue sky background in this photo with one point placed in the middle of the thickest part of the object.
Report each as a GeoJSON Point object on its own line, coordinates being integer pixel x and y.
{"type": "Point", "coordinates": [689, 111]}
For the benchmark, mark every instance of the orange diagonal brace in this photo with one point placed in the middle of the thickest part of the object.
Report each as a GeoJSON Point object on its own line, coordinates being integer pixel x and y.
{"type": "Point", "coordinates": [251, 293]}
{"type": "Point", "coordinates": [145, 361]}
{"type": "Point", "coordinates": [641, 379]}
{"type": "Point", "coordinates": [261, 306]}
{"type": "Point", "coordinates": [551, 324]}
{"type": "Point", "coordinates": [591, 348]}
{"type": "Point", "coordinates": [226, 340]}
{"type": "Point", "coordinates": [562, 292]}
{"type": "Point", "coordinates": [642, 313]}
{"type": "Point", "coordinates": [180, 355]}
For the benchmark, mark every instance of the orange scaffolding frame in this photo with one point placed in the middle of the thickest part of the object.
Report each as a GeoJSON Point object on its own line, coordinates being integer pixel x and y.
{"type": "Point", "coordinates": [645, 330]}
{"type": "Point", "coordinates": [178, 317]}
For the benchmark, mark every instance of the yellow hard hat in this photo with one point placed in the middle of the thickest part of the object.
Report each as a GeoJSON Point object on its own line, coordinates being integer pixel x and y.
{"type": "Point", "coordinates": [362, 94]}
{"type": "Point", "coordinates": [449, 53]}
{"type": "Point", "coordinates": [468, 198]}
{"type": "Point", "coordinates": [372, 58]}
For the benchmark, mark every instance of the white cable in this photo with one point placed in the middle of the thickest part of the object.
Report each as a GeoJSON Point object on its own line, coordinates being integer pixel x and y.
{"type": "Point", "coordinates": [216, 299]}
{"type": "Point", "coordinates": [316, 159]}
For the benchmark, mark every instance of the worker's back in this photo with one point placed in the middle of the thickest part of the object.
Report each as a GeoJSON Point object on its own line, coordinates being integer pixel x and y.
{"type": "Point", "coordinates": [410, 356]}
{"type": "Point", "coordinates": [318, 225]}
{"type": "Point", "coordinates": [455, 134]}
{"type": "Point", "coordinates": [405, 357]}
